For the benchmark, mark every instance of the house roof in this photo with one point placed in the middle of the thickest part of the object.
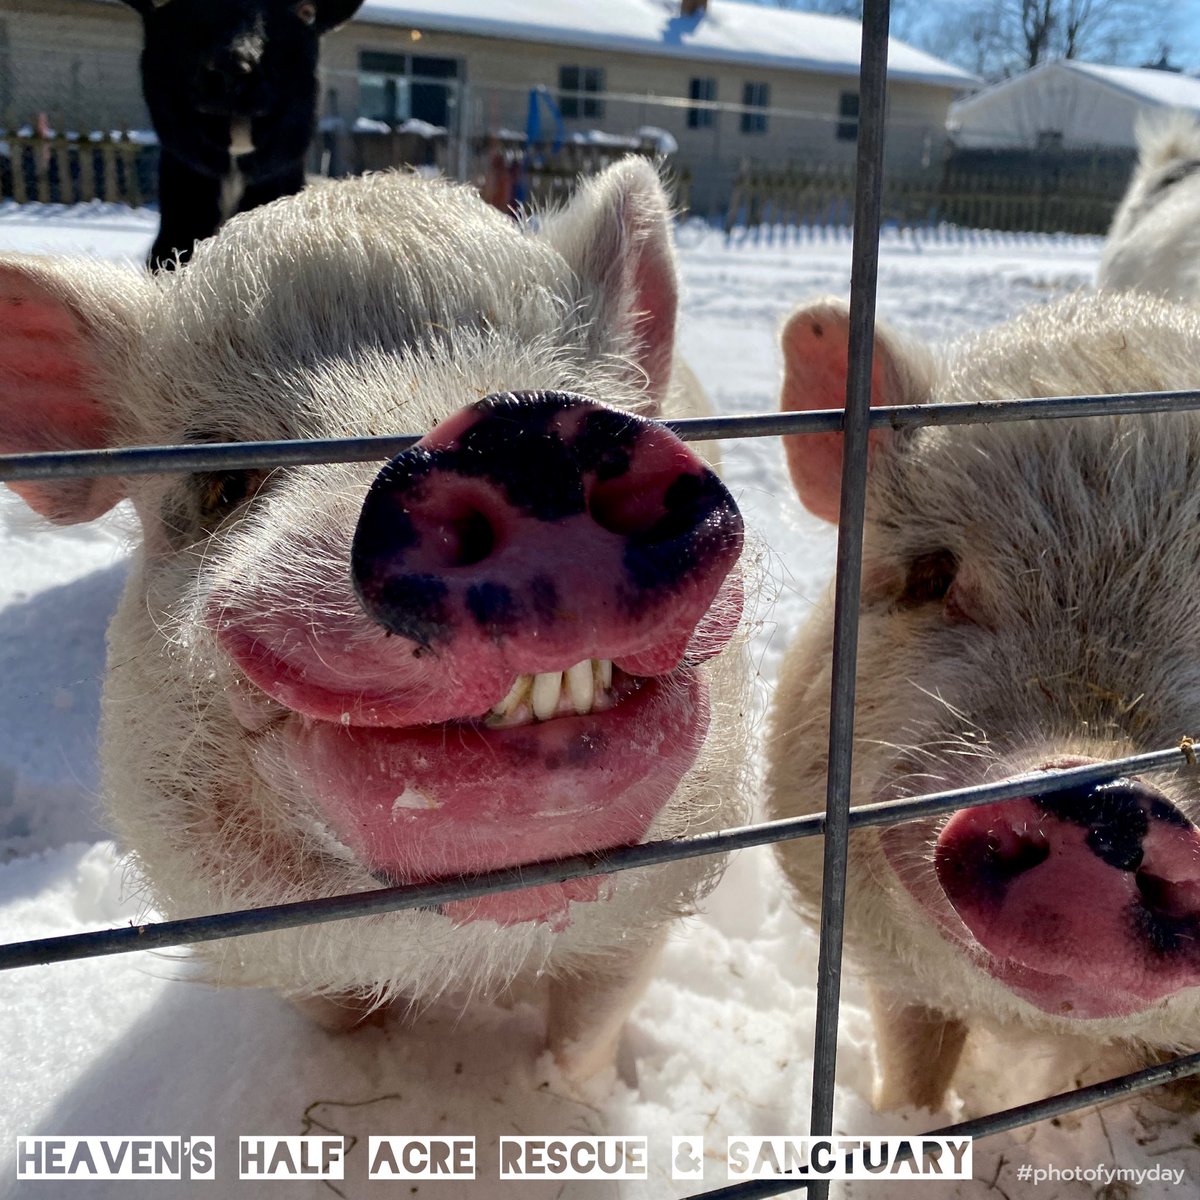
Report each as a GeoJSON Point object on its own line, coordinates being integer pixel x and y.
{"type": "Point", "coordinates": [1163, 88]}
{"type": "Point", "coordinates": [749, 34]}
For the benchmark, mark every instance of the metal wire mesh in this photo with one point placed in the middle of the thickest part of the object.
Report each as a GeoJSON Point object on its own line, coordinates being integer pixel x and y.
{"type": "Point", "coordinates": [838, 819]}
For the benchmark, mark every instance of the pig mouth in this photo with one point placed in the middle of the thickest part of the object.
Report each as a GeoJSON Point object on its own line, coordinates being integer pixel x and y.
{"type": "Point", "coordinates": [565, 762]}
{"type": "Point", "coordinates": [1085, 903]}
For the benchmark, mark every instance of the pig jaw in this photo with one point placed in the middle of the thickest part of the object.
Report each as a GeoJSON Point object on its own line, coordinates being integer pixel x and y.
{"type": "Point", "coordinates": [440, 801]}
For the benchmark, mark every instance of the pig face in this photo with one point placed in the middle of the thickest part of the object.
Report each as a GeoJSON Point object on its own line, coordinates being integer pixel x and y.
{"type": "Point", "coordinates": [1154, 242]}
{"type": "Point", "coordinates": [1029, 602]}
{"type": "Point", "coordinates": [505, 646]}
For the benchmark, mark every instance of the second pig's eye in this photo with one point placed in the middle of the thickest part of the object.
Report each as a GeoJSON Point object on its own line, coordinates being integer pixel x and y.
{"type": "Point", "coordinates": [307, 12]}
{"type": "Point", "coordinates": [929, 579]}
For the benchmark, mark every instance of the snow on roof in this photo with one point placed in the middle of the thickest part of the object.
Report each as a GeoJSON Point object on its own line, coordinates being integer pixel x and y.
{"type": "Point", "coordinates": [1165, 88]}
{"type": "Point", "coordinates": [728, 32]}
{"type": "Point", "coordinates": [1144, 84]}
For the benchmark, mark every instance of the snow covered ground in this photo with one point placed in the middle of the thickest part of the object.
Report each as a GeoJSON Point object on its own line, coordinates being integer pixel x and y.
{"type": "Point", "coordinates": [721, 1043]}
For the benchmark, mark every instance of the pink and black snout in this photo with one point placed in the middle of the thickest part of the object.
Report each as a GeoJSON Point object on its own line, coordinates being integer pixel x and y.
{"type": "Point", "coordinates": [1087, 902]}
{"type": "Point", "coordinates": [544, 528]}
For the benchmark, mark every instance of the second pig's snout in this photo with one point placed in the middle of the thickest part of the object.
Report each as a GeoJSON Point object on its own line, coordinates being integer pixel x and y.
{"type": "Point", "coordinates": [543, 520]}
{"type": "Point", "coordinates": [1098, 886]}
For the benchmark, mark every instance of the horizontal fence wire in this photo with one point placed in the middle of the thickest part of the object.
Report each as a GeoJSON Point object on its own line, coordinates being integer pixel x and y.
{"type": "Point", "coordinates": [161, 934]}
{"type": "Point", "coordinates": [229, 456]}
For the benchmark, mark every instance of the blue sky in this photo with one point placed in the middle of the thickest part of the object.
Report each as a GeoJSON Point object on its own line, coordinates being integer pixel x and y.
{"type": "Point", "coordinates": [1177, 24]}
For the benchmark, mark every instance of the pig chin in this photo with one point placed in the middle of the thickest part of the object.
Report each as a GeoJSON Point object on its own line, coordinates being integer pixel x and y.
{"type": "Point", "coordinates": [1085, 904]}
{"type": "Point", "coordinates": [413, 804]}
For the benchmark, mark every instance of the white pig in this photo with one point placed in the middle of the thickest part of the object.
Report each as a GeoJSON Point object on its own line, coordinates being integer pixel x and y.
{"type": "Point", "coordinates": [511, 651]}
{"type": "Point", "coordinates": [1030, 600]}
{"type": "Point", "coordinates": [1154, 242]}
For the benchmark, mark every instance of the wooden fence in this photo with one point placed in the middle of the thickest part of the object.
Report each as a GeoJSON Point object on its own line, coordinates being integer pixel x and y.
{"type": "Point", "coordinates": [69, 170]}
{"type": "Point", "coordinates": [62, 170]}
{"type": "Point", "coordinates": [507, 171]}
{"type": "Point", "coordinates": [799, 194]}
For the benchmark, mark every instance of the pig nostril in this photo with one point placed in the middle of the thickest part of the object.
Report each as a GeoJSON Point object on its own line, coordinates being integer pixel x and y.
{"type": "Point", "coordinates": [626, 511]}
{"type": "Point", "coordinates": [1012, 856]}
{"type": "Point", "coordinates": [477, 539]}
{"type": "Point", "coordinates": [659, 508]}
{"type": "Point", "coordinates": [460, 539]}
{"type": "Point", "coordinates": [978, 868]}
{"type": "Point", "coordinates": [1164, 897]}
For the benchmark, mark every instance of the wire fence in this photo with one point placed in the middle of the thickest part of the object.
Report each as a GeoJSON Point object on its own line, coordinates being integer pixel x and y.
{"type": "Point", "coordinates": [838, 819]}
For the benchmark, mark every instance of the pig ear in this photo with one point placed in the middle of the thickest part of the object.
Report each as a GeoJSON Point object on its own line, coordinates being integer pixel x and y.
{"type": "Point", "coordinates": [816, 352]}
{"type": "Point", "coordinates": [616, 236]}
{"type": "Point", "coordinates": [52, 323]}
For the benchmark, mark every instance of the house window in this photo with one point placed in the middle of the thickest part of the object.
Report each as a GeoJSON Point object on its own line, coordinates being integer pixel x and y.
{"type": "Point", "coordinates": [578, 89]}
{"type": "Point", "coordinates": [702, 89]}
{"type": "Point", "coordinates": [847, 128]}
{"type": "Point", "coordinates": [755, 95]}
{"type": "Point", "coordinates": [394, 87]}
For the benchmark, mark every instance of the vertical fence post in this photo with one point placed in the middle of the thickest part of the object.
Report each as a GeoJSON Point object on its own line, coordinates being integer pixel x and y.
{"type": "Point", "coordinates": [863, 275]}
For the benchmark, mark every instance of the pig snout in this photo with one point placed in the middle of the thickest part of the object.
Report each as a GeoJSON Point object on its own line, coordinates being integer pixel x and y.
{"type": "Point", "coordinates": [1087, 903]}
{"type": "Point", "coordinates": [538, 581]}
{"type": "Point", "coordinates": [531, 532]}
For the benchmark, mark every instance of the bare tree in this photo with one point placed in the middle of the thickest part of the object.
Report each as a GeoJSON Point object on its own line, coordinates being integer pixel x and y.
{"type": "Point", "coordinates": [997, 38]}
{"type": "Point", "coordinates": [1037, 19]}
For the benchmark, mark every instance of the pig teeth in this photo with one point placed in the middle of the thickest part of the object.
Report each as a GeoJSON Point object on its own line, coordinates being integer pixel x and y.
{"type": "Point", "coordinates": [540, 697]}
{"type": "Point", "coordinates": [517, 695]}
{"type": "Point", "coordinates": [581, 686]}
{"type": "Point", "coordinates": [602, 668]}
{"type": "Point", "coordinates": [547, 687]}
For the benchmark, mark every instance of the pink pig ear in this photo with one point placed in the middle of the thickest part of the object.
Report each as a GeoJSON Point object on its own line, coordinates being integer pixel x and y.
{"type": "Point", "coordinates": [49, 371]}
{"type": "Point", "coordinates": [816, 352]}
{"type": "Point", "coordinates": [616, 236]}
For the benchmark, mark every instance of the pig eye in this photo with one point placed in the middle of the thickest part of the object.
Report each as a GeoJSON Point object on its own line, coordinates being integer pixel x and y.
{"type": "Point", "coordinates": [929, 579]}
{"type": "Point", "coordinates": [222, 491]}
{"type": "Point", "coordinates": [307, 12]}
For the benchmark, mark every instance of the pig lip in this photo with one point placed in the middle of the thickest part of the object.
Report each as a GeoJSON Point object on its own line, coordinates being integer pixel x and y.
{"type": "Point", "coordinates": [359, 675]}
{"type": "Point", "coordinates": [1119, 957]}
{"type": "Point", "coordinates": [420, 803]}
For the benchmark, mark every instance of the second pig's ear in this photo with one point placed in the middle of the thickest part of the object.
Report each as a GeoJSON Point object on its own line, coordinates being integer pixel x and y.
{"type": "Point", "coordinates": [616, 236]}
{"type": "Point", "coordinates": [62, 329]}
{"type": "Point", "coordinates": [816, 351]}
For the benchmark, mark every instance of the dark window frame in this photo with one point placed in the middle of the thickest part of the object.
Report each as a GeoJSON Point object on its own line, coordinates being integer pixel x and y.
{"type": "Point", "coordinates": [580, 99]}
{"type": "Point", "coordinates": [755, 94]}
{"type": "Point", "coordinates": [702, 87]}
{"type": "Point", "coordinates": [847, 126]}
{"type": "Point", "coordinates": [410, 72]}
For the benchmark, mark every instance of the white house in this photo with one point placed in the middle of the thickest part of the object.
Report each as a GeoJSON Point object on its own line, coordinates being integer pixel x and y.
{"type": "Point", "coordinates": [1069, 105]}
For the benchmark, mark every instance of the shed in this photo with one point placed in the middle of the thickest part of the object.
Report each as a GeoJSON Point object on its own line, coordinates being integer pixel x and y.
{"type": "Point", "coordinates": [1069, 106]}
